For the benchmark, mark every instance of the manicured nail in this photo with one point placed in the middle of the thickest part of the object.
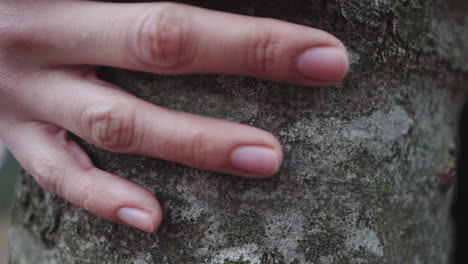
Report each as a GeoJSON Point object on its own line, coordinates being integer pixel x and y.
{"type": "Point", "coordinates": [136, 218]}
{"type": "Point", "coordinates": [324, 63]}
{"type": "Point", "coordinates": [259, 160]}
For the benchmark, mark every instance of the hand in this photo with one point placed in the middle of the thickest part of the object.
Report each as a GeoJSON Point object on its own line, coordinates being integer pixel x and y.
{"type": "Point", "coordinates": [47, 89]}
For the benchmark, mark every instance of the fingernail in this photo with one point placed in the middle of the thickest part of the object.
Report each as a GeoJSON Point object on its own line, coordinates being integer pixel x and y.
{"type": "Point", "coordinates": [323, 63]}
{"type": "Point", "coordinates": [136, 218]}
{"type": "Point", "coordinates": [259, 160]}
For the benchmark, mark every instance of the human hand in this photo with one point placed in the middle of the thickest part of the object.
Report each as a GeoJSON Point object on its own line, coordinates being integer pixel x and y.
{"type": "Point", "coordinates": [47, 88]}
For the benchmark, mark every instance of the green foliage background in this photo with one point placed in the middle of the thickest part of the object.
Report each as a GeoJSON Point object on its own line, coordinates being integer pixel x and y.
{"type": "Point", "coordinates": [8, 172]}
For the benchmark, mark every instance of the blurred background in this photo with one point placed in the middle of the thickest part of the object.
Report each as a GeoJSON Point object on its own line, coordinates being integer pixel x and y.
{"type": "Point", "coordinates": [9, 168]}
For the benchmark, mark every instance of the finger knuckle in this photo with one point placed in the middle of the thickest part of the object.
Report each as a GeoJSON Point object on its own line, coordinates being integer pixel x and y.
{"type": "Point", "coordinates": [161, 38]}
{"type": "Point", "coordinates": [12, 30]}
{"type": "Point", "coordinates": [262, 51]}
{"type": "Point", "coordinates": [89, 198]}
{"type": "Point", "coordinates": [111, 126]}
{"type": "Point", "coordinates": [197, 149]}
{"type": "Point", "coordinates": [44, 172]}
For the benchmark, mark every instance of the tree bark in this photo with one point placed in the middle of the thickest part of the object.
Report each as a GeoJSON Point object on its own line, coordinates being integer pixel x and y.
{"type": "Point", "coordinates": [368, 163]}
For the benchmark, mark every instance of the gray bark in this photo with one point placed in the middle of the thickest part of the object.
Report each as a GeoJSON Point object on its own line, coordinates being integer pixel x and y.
{"type": "Point", "coordinates": [367, 163]}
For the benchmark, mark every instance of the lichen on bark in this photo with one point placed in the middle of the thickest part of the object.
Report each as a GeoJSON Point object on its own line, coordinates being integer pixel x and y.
{"type": "Point", "coordinates": [360, 180]}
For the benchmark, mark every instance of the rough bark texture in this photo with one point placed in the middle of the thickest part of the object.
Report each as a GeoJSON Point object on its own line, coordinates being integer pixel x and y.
{"type": "Point", "coordinates": [366, 163]}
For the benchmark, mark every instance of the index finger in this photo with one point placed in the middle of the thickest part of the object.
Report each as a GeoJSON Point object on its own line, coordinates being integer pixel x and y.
{"type": "Point", "coordinates": [169, 38]}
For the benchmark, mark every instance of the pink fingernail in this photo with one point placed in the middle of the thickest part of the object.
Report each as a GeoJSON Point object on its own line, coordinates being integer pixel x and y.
{"type": "Point", "coordinates": [259, 160]}
{"type": "Point", "coordinates": [136, 218]}
{"type": "Point", "coordinates": [324, 63]}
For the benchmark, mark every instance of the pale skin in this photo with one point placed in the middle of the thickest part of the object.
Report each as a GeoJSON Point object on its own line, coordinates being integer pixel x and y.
{"type": "Point", "coordinates": [48, 87]}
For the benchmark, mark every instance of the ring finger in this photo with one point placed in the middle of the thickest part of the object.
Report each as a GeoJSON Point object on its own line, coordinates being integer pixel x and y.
{"type": "Point", "coordinates": [59, 165]}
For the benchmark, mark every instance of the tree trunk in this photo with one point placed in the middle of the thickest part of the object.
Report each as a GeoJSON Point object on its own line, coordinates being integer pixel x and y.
{"type": "Point", "coordinates": [368, 163]}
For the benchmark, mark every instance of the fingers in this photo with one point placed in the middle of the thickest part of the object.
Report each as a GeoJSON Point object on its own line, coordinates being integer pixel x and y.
{"type": "Point", "coordinates": [61, 166]}
{"type": "Point", "coordinates": [119, 122]}
{"type": "Point", "coordinates": [170, 38]}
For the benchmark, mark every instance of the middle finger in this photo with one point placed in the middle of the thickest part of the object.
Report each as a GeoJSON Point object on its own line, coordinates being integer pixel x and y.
{"type": "Point", "coordinates": [117, 121]}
